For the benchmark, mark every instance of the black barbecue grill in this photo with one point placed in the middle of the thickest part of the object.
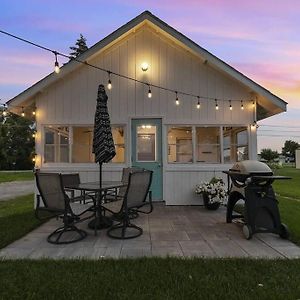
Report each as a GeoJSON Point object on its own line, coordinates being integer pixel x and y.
{"type": "Point", "coordinates": [251, 181]}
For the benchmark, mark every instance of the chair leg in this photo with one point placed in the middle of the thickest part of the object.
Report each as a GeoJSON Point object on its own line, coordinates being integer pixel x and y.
{"type": "Point", "coordinates": [56, 235]}
{"type": "Point", "coordinates": [124, 230]}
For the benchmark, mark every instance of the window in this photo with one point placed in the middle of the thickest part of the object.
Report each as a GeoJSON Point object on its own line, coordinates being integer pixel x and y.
{"type": "Point", "coordinates": [208, 144]}
{"type": "Point", "coordinates": [180, 146]}
{"type": "Point", "coordinates": [146, 143]}
{"type": "Point", "coordinates": [82, 145]}
{"type": "Point", "coordinates": [119, 140]}
{"type": "Point", "coordinates": [56, 144]}
{"type": "Point", "coordinates": [235, 144]}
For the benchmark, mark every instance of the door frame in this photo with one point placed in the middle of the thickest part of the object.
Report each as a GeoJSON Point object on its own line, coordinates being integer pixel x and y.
{"type": "Point", "coordinates": [163, 144]}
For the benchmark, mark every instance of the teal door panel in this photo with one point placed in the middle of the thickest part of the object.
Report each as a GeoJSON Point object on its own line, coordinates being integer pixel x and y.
{"type": "Point", "coordinates": [147, 150]}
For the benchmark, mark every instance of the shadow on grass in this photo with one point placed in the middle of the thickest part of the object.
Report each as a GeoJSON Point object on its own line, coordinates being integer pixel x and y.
{"type": "Point", "coordinates": [15, 226]}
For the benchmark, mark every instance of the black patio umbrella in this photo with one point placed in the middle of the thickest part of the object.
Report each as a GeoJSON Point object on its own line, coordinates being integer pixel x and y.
{"type": "Point", "coordinates": [103, 143]}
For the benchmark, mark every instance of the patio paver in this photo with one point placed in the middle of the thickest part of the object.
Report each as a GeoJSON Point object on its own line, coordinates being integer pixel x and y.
{"type": "Point", "coordinates": [182, 231]}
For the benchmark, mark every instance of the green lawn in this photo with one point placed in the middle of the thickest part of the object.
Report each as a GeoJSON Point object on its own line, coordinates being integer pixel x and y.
{"type": "Point", "coordinates": [16, 176]}
{"type": "Point", "coordinates": [288, 188]}
{"type": "Point", "coordinates": [150, 278]}
{"type": "Point", "coordinates": [16, 219]}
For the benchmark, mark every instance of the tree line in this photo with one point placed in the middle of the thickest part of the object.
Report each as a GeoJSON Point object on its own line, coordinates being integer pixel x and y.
{"type": "Point", "coordinates": [288, 151]}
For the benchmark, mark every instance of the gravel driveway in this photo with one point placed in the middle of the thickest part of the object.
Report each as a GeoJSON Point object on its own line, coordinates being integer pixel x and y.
{"type": "Point", "coordinates": [14, 189]}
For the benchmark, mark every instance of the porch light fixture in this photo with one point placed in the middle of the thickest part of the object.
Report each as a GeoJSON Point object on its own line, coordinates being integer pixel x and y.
{"type": "Point", "coordinates": [230, 106]}
{"type": "Point", "coordinates": [144, 66]}
{"type": "Point", "coordinates": [198, 103]}
{"type": "Point", "coordinates": [177, 100]}
{"type": "Point", "coordinates": [242, 105]}
{"type": "Point", "coordinates": [149, 92]}
{"type": "Point", "coordinates": [56, 64]}
{"type": "Point", "coordinates": [109, 85]}
{"type": "Point", "coordinates": [217, 105]}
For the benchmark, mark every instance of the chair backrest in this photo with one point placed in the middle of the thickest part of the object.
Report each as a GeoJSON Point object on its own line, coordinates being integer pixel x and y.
{"type": "Point", "coordinates": [138, 187]}
{"type": "Point", "coordinates": [125, 178]}
{"type": "Point", "coordinates": [51, 190]}
{"type": "Point", "coordinates": [70, 179]}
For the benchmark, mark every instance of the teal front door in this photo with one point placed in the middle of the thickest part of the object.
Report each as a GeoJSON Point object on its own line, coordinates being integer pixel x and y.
{"type": "Point", "coordinates": [147, 151]}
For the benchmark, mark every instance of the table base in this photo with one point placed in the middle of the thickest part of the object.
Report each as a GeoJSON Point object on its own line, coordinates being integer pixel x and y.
{"type": "Point", "coordinates": [102, 223]}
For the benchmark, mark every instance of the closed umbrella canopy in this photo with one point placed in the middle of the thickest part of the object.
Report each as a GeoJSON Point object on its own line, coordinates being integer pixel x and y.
{"type": "Point", "coordinates": [103, 143]}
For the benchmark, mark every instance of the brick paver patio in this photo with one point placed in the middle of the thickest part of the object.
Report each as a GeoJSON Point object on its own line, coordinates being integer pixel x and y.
{"type": "Point", "coordinates": [183, 231]}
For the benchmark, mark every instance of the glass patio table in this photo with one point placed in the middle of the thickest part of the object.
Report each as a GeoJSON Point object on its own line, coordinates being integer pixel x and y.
{"type": "Point", "coordinates": [100, 220]}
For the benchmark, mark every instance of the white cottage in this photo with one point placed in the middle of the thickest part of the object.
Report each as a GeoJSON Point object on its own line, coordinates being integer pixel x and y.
{"type": "Point", "coordinates": [183, 144]}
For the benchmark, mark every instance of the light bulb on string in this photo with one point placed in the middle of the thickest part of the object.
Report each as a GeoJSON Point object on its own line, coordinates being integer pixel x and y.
{"type": "Point", "coordinates": [109, 85]}
{"type": "Point", "coordinates": [242, 105]}
{"type": "Point", "coordinates": [149, 92]}
{"type": "Point", "coordinates": [23, 113]}
{"type": "Point", "coordinates": [217, 105]}
{"type": "Point", "coordinates": [177, 100]}
{"type": "Point", "coordinates": [230, 106]}
{"type": "Point", "coordinates": [34, 112]}
{"type": "Point", "coordinates": [4, 112]}
{"type": "Point", "coordinates": [253, 103]}
{"type": "Point", "coordinates": [56, 64]}
{"type": "Point", "coordinates": [198, 103]}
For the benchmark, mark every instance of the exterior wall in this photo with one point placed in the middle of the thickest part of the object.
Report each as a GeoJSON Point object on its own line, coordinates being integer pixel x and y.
{"type": "Point", "coordinates": [297, 154]}
{"type": "Point", "coordinates": [72, 100]}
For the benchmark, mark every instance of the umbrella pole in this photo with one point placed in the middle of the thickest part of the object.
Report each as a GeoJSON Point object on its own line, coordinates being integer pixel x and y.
{"type": "Point", "coordinates": [100, 175]}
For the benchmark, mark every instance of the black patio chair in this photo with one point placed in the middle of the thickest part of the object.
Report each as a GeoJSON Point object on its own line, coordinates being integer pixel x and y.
{"type": "Point", "coordinates": [74, 179]}
{"type": "Point", "coordinates": [133, 201]}
{"type": "Point", "coordinates": [56, 203]}
{"type": "Point", "coordinates": [118, 195]}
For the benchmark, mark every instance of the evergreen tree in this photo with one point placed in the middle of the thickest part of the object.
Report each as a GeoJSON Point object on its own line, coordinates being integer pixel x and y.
{"type": "Point", "coordinates": [16, 142]}
{"type": "Point", "coordinates": [79, 48]}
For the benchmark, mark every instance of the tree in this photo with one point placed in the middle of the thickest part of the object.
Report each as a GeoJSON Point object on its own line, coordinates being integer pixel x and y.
{"type": "Point", "coordinates": [268, 154]}
{"type": "Point", "coordinates": [79, 48]}
{"type": "Point", "coordinates": [290, 148]}
{"type": "Point", "coordinates": [16, 142]}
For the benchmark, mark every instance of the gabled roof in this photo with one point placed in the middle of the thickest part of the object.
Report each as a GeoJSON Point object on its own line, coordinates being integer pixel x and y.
{"type": "Point", "coordinates": [276, 104]}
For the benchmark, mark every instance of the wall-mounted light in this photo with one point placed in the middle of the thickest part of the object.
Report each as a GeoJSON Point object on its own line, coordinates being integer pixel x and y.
{"type": "Point", "coordinates": [144, 66]}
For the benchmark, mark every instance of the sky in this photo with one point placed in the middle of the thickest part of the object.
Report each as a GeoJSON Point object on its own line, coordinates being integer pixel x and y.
{"type": "Point", "coordinates": [259, 38]}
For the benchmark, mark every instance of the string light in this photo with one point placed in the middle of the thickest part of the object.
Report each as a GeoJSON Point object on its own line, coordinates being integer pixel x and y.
{"type": "Point", "coordinates": [149, 92]}
{"type": "Point", "coordinates": [217, 106]}
{"type": "Point", "coordinates": [242, 105]}
{"type": "Point", "coordinates": [198, 103]}
{"type": "Point", "coordinates": [23, 113]}
{"type": "Point", "coordinates": [230, 106]}
{"type": "Point", "coordinates": [56, 64]}
{"type": "Point", "coordinates": [34, 135]}
{"type": "Point", "coordinates": [177, 100]}
{"type": "Point", "coordinates": [109, 85]}
{"type": "Point", "coordinates": [34, 112]}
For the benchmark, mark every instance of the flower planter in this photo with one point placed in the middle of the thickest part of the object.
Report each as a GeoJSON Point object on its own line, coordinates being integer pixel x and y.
{"type": "Point", "coordinates": [209, 206]}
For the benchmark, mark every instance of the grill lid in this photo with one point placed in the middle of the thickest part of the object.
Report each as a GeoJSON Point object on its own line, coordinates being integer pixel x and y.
{"type": "Point", "coordinates": [251, 167]}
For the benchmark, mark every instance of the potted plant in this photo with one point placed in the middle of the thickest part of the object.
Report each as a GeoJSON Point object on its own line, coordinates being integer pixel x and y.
{"type": "Point", "coordinates": [214, 193]}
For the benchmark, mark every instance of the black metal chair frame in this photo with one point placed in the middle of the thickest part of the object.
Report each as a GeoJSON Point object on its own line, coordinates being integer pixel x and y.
{"type": "Point", "coordinates": [68, 216]}
{"type": "Point", "coordinates": [126, 212]}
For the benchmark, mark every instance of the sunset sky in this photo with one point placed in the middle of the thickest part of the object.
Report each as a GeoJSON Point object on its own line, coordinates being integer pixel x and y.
{"type": "Point", "coordinates": [259, 38]}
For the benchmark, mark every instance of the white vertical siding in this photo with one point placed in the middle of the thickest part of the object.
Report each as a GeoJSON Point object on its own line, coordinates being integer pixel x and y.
{"type": "Point", "coordinates": [72, 100]}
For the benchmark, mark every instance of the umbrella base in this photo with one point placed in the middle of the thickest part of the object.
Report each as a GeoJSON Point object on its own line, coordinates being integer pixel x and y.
{"type": "Point", "coordinates": [100, 223]}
